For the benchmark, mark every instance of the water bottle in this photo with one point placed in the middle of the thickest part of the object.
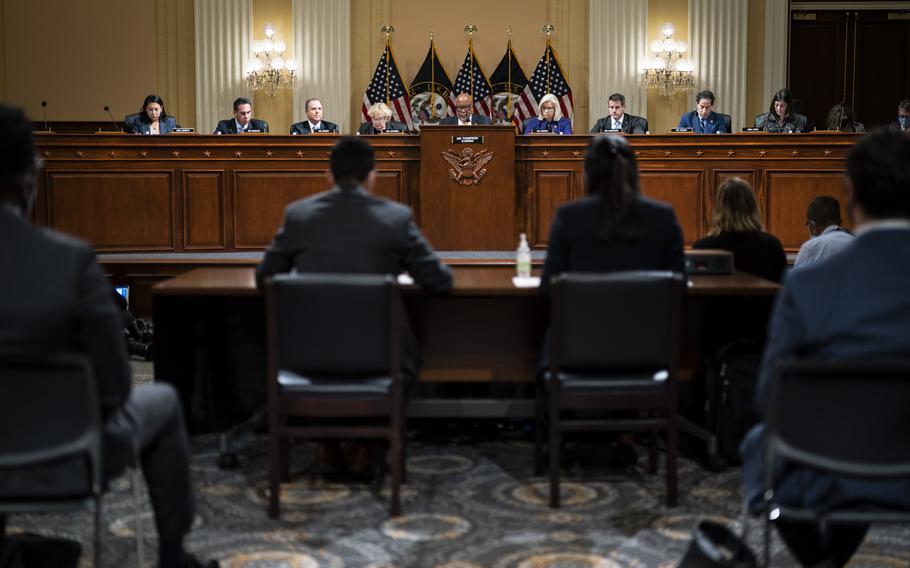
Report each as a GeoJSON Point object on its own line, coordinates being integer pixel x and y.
{"type": "Point", "coordinates": [523, 257]}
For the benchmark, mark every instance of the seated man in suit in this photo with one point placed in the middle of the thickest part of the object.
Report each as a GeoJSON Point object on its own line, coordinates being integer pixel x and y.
{"type": "Point", "coordinates": [826, 236]}
{"type": "Point", "coordinates": [55, 298]}
{"type": "Point", "coordinates": [703, 120]}
{"type": "Point", "coordinates": [243, 120]}
{"type": "Point", "coordinates": [619, 120]}
{"type": "Point", "coordinates": [381, 121]}
{"type": "Point", "coordinates": [868, 282]}
{"type": "Point", "coordinates": [464, 108]}
{"type": "Point", "coordinates": [313, 122]}
{"type": "Point", "coordinates": [346, 229]}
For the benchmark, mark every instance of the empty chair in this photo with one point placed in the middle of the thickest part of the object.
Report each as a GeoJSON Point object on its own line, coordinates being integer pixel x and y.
{"type": "Point", "coordinates": [842, 419]}
{"type": "Point", "coordinates": [333, 352]}
{"type": "Point", "coordinates": [613, 346]}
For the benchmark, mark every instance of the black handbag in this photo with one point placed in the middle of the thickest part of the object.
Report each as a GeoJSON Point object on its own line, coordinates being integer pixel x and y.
{"type": "Point", "coordinates": [716, 546]}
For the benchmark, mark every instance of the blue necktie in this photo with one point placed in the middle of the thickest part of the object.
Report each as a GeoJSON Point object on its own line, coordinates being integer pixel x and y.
{"type": "Point", "coordinates": [703, 125]}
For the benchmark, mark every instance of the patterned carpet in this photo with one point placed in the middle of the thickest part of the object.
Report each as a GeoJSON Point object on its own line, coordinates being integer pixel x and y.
{"type": "Point", "coordinates": [471, 501]}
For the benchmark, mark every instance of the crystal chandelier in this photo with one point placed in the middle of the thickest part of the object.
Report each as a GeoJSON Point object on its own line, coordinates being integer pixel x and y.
{"type": "Point", "coordinates": [270, 70]}
{"type": "Point", "coordinates": [667, 71]}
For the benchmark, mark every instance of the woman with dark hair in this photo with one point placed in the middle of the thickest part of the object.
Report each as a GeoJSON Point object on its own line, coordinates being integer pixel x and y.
{"type": "Point", "coordinates": [737, 227]}
{"type": "Point", "coordinates": [613, 228]}
{"type": "Point", "coordinates": [841, 118]}
{"type": "Point", "coordinates": [781, 116]}
{"type": "Point", "coordinates": [153, 119]}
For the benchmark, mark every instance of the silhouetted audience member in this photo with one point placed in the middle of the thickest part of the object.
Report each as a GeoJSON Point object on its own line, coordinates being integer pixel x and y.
{"type": "Point", "coordinates": [613, 228]}
{"type": "Point", "coordinates": [826, 236]}
{"type": "Point", "coordinates": [54, 297]}
{"type": "Point", "coordinates": [855, 305]}
{"type": "Point", "coordinates": [737, 227]}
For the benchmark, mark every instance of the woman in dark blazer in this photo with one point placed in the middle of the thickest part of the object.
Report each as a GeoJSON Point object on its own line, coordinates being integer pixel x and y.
{"type": "Point", "coordinates": [153, 119]}
{"type": "Point", "coordinates": [782, 116]}
{"type": "Point", "coordinates": [614, 228]}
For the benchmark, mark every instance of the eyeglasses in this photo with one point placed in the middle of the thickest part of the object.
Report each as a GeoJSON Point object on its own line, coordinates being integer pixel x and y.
{"type": "Point", "coordinates": [463, 107]}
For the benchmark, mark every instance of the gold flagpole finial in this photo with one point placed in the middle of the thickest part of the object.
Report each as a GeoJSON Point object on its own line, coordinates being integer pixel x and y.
{"type": "Point", "coordinates": [509, 31]}
{"type": "Point", "coordinates": [431, 34]}
{"type": "Point", "coordinates": [470, 29]}
{"type": "Point", "coordinates": [547, 29]}
{"type": "Point", "coordinates": [388, 31]}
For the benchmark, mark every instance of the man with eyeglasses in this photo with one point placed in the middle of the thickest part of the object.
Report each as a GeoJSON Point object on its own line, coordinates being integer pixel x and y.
{"type": "Point", "coordinates": [464, 105]}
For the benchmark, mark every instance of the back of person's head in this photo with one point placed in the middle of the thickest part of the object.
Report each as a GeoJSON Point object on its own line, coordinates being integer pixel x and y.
{"type": "Point", "coordinates": [156, 99]}
{"type": "Point", "coordinates": [782, 95]}
{"type": "Point", "coordinates": [839, 115]}
{"type": "Point", "coordinates": [879, 171]}
{"type": "Point", "coordinates": [352, 160]}
{"type": "Point", "coordinates": [736, 210]}
{"type": "Point", "coordinates": [611, 172]}
{"type": "Point", "coordinates": [18, 162]}
{"type": "Point", "coordinates": [824, 210]}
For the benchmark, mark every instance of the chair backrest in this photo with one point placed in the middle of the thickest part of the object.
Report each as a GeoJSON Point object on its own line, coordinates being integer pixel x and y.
{"type": "Point", "coordinates": [50, 422]}
{"type": "Point", "coordinates": [848, 417]}
{"type": "Point", "coordinates": [620, 320]}
{"type": "Point", "coordinates": [131, 120]}
{"type": "Point", "coordinates": [334, 324]}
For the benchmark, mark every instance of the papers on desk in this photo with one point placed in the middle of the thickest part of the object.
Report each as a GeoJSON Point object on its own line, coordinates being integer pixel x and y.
{"type": "Point", "coordinates": [526, 282]}
{"type": "Point", "coordinates": [404, 279]}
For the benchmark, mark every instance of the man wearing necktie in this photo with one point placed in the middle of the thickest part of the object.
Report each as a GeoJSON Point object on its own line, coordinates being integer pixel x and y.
{"type": "Point", "coordinates": [242, 121]}
{"type": "Point", "coordinates": [619, 120]}
{"type": "Point", "coordinates": [703, 120]}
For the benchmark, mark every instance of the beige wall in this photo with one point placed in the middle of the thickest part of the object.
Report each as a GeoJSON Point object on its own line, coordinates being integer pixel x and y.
{"type": "Point", "coordinates": [756, 97]}
{"type": "Point", "coordinates": [664, 112]}
{"type": "Point", "coordinates": [141, 52]}
{"type": "Point", "coordinates": [277, 110]}
{"type": "Point", "coordinates": [413, 21]}
{"type": "Point", "coordinates": [102, 53]}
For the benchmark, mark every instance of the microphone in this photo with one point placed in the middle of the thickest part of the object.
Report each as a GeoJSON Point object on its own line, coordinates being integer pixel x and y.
{"type": "Point", "coordinates": [107, 109]}
{"type": "Point", "coordinates": [44, 108]}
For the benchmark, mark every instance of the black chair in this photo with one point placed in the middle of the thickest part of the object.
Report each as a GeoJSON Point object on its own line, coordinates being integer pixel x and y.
{"type": "Point", "coordinates": [50, 450]}
{"type": "Point", "coordinates": [613, 346]}
{"type": "Point", "coordinates": [131, 120]}
{"type": "Point", "coordinates": [843, 418]}
{"type": "Point", "coordinates": [334, 352]}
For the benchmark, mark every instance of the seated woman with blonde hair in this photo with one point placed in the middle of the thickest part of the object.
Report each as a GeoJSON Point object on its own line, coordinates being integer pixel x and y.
{"type": "Point", "coordinates": [381, 121]}
{"type": "Point", "coordinates": [549, 118]}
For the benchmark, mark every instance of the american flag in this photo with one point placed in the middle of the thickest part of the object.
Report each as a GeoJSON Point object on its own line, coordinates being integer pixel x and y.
{"type": "Point", "coordinates": [548, 77]}
{"type": "Point", "coordinates": [387, 87]}
{"type": "Point", "coordinates": [480, 90]}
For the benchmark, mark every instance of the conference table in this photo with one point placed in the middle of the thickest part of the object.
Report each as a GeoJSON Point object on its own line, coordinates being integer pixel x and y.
{"type": "Point", "coordinates": [210, 337]}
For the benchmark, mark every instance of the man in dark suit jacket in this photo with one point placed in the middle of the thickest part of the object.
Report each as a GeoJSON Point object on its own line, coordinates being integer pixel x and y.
{"type": "Point", "coordinates": [243, 120]}
{"type": "Point", "coordinates": [314, 122]}
{"type": "Point", "coordinates": [868, 283]}
{"type": "Point", "coordinates": [464, 105]}
{"type": "Point", "coordinates": [348, 230]}
{"type": "Point", "coordinates": [703, 120]}
{"type": "Point", "coordinates": [619, 120]}
{"type": "Point", "coordinates": [55, 298]}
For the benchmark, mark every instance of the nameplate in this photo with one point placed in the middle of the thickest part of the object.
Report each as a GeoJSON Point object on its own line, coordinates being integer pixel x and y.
{"type": "Point", "coordinates": [612, 130]}
{"type": "Point", "coordinates": [751, 129]}
{"type": "Point", "coordinates": [392, 131]}
{"type": "Point", "coordinates": [467, 139]}
{"type": "Point", "coordinates": [680, 130]}
{"type": "Point", "coordinates": [252, 131]}
{"type": "Point", "coordinates": [183, 130]}
{"type": "Point", "coordinates": [323, 131]}
{"type": "Point", "coordinates": [543, 131]}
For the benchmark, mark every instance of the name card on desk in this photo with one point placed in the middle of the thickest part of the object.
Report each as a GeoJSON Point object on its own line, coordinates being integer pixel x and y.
{"type": "Point", "coordinates": [681, 130]}
{"type": "Point", "coordinates": [612, 130]}
{"type": "Point", "coordinates": [392, 131]}
{"type": "Point", "coordinates": [751, 129]}
{"type": "Point", "coordinates": [467, 139]}
{"type": "Point", "coordinates": [183, 131]}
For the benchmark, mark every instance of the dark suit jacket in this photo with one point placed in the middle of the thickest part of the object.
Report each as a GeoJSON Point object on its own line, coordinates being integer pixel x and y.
{"type": "Point", "coordinates": [304, 127]}
{"type": "Point", "coordinates": [144, 125]}
{"type": "Point", "coordinates": [229, 126]}
{"type": "Point", "coordinates": [631, 124]}
{"type": "Point", "coordinates": [367, 127]}
{"type": "Point", "coordinates": [575, 247]}
{"type": "Point", "coordinates": [54, 297]}
{"type": "Point", "coordinates": [760, 254]}
{"type": "Point", "coordinates": [476, 120]}
{"type": "Point", "coordinates": [849, 306]}
{"type": "Point", "coordinates": [716, 123]}
{"type": "Point", "coordinates": [351, 231]}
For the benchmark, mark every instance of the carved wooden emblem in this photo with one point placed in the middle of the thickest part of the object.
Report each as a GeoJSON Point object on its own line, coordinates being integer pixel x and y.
{"type": "Point", "coordinates": [467, 166]}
